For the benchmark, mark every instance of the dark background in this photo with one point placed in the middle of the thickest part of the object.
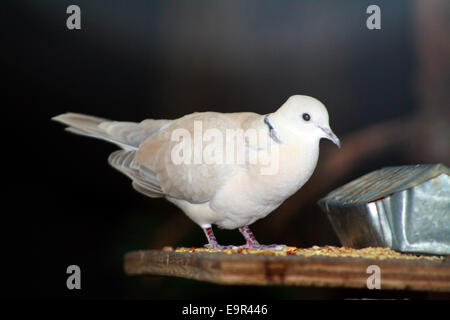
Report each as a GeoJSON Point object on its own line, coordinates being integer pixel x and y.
{"type": "Point", "coordinates": [162, 59]}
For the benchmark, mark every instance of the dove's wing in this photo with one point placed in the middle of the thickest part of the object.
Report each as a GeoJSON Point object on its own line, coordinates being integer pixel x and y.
{"type": "Point", "coordinates": [144, 178]}
{"type": "Point", "coordinates": [193, 181]}
{"type": "Point", "coordinates": [149, 147]}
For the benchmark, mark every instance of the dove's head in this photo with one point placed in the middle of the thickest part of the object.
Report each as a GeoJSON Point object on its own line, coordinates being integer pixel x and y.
{"type": "Point", "coordinates": [303, 117]}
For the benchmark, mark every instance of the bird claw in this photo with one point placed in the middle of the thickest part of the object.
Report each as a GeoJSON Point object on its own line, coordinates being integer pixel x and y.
{"type": "Point", "coordinates": [270, 246]}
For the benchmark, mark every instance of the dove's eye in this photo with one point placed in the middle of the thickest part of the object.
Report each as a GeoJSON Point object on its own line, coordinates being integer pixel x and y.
{"type": "Point", "coordinates": [306, 117]}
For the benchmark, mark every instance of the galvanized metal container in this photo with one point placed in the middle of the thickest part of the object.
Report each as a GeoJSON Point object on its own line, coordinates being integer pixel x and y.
{"type": "Point", "coordinates": [405, 208]}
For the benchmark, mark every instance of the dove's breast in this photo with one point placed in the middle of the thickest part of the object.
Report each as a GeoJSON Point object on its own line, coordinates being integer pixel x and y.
{"type": "Point", "coordinates": [251, 195]}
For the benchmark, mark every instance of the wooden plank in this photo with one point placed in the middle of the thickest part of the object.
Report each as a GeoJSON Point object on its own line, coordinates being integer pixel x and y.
{"type": "Point", "coordinates": [318, 271]}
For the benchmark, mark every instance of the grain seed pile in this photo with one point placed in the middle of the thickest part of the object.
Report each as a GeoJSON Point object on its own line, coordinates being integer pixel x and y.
{"type": "Point", "coordinates": [329, 251]}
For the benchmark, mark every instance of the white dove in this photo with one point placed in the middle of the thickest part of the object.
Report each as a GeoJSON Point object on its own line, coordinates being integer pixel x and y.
{"type": "Point", "coordinates": [229, 194]}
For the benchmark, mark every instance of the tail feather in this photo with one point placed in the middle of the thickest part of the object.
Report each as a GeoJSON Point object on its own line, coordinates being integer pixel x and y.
{"type": "Point", "coordinates": [79, 120]}
{"type": "Point", "coordinates": [127, 135]}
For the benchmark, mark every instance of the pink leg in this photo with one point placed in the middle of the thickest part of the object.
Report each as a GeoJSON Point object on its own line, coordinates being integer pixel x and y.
{"type": "Point", "coordinates": [254, 244]}
{"type": "Point", "coordinates": [249, 237]}
{"type": "Point", "coordinates": [212, 241]}
{"type": "Point", "coordinates": [251, 241]}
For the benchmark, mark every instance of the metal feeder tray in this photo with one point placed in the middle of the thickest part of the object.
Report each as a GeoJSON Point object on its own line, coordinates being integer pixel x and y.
{"type": "Point", "coordinates": [406, 208]}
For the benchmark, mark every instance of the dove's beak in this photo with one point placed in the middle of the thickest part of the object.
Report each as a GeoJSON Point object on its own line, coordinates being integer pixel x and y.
{"type": "Point", "coordinates": [331, 136]}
